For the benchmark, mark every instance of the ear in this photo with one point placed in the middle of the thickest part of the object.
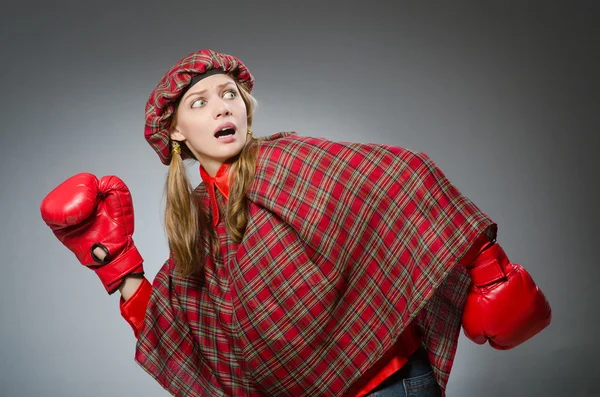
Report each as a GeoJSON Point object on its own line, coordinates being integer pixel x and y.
{"type": "Point", "coordinates": [177, 136]}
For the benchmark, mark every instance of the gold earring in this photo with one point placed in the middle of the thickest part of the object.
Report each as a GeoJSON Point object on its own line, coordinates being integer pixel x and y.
{"type": "Point", "coordinates": [176, 148]}
{"type": "Point", "coordinates": [249, 132]}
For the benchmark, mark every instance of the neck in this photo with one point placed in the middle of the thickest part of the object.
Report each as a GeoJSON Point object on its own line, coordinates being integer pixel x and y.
{"type": "Point", "coordinates": [211, 167]}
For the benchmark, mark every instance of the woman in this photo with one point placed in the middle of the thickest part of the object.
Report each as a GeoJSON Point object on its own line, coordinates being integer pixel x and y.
{"type": "Point", "coordinates": [300, 266]}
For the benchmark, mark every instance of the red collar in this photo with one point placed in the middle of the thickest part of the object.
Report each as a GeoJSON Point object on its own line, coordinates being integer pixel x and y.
{"type": "Point", "coordinates": [221, 182]}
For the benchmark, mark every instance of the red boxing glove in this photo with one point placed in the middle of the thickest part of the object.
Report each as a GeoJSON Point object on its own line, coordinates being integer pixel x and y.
{"type": "Point", "coordinates": [503, 305]}
{"type": "Point", "coordinates": [85, 213]}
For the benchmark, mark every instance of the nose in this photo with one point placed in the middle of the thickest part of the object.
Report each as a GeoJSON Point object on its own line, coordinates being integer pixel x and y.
{"type": "Point", "coordinates": [221, 110]}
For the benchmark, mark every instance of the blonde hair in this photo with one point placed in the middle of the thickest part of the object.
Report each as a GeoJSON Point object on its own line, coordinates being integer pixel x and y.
{"type": "Point", "coordinates": [188, 228]}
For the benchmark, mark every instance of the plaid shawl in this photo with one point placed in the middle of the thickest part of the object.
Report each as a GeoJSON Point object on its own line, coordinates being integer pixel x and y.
{"type": "Point", "coordinates": [347, 243]}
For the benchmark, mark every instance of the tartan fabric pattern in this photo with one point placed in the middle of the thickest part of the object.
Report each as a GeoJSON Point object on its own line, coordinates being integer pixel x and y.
{"type": "Point", "coordinates": [161, 103]}
{"type": "Point", "coordinates": [347, 243]}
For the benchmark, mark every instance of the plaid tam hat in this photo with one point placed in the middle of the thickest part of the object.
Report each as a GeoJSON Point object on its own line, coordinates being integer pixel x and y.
{"type": "Point", "coordinates": [162, 102]}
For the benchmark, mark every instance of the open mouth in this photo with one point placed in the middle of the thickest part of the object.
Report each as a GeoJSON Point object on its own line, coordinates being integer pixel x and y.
{"type": "Point", "coordinates": [227, 131]}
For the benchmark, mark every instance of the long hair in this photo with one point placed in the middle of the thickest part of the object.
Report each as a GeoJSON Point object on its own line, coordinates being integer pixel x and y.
{"type": "Point", "coordinates": [188, 228]}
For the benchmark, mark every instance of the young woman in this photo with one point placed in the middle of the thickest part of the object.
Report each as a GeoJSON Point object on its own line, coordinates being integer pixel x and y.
{"type": "Point", "coordinates": [300, 266]}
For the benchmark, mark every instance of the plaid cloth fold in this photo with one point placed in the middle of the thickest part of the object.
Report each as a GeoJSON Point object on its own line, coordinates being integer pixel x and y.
{"type": "Point", "coordinates": [347, 243]}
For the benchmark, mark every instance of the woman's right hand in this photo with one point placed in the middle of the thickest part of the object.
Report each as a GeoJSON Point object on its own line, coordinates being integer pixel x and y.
{"type": "Point", "coordinates": [87, 215]}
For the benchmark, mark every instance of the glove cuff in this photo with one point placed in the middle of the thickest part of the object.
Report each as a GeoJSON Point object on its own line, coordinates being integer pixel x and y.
{"type": "Point", "coordinates": [487, 268]}
{"type": "Point", "coordinates": [119, 267]}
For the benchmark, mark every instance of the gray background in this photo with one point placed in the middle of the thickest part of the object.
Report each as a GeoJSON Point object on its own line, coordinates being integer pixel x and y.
{"type": "Point", "coordinates": [504, 97]}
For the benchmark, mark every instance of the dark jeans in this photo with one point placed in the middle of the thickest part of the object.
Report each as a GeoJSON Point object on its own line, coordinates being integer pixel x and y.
{"type": "Point", "coordinates": [414, 379]}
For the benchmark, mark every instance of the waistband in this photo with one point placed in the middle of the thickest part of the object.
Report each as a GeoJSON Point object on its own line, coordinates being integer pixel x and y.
{"type": "Point", "coordinates": [417, 365]}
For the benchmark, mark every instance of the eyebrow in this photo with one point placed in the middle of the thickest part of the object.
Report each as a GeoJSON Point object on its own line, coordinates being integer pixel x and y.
{"type": "Point", "coordinates": [189, 95]}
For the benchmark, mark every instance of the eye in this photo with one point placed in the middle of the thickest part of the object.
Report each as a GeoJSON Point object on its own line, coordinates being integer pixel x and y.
{"type": "Point", "coordinates": [198, 103]}
{"type": "Point", "coordinates": [230, 94]}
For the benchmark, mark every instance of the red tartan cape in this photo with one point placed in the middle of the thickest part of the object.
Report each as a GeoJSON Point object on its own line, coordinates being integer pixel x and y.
{"type": "Point", "coordinates": [346, 244]}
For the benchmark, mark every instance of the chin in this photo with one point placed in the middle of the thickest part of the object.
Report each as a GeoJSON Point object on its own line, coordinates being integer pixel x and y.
{"type": "Point", "coordinates": [231, 151]}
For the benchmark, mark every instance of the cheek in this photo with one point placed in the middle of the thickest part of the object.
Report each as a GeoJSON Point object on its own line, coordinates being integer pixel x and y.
{"type": "Point", "coordinates": [195, 127]}
{"type": "Point", "coordinates": [240, 108]}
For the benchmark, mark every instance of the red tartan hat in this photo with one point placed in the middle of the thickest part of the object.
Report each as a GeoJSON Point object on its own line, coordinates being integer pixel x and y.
{"type": "Point", "coordinates": [163, 99]}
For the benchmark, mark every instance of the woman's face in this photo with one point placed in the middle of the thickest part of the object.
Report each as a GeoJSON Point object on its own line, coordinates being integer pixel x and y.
{"type": "Point", "coordinates": [212, 121]}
